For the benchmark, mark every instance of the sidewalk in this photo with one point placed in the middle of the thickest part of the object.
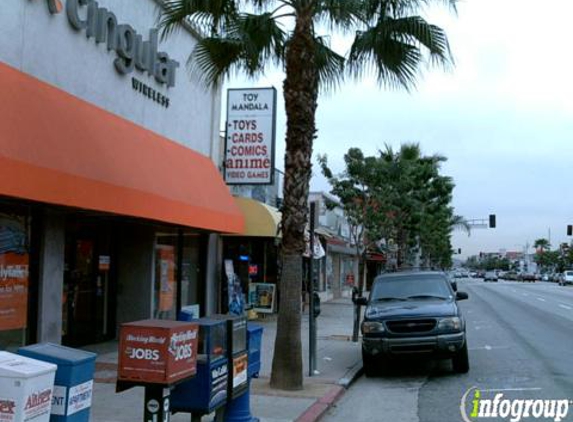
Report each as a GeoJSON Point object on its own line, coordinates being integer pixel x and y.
{"type": "Point", "coordinates": [338, 360]}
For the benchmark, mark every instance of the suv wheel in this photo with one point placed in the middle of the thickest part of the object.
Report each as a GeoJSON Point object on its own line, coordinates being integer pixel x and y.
{"type": "Point", "coordinates": [368, 364]}
{"type": "Point", "coordinates": [460, 361]}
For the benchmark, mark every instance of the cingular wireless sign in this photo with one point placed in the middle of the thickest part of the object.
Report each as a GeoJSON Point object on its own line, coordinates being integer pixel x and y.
{"type": "Point", "coordinates": [132, 51]}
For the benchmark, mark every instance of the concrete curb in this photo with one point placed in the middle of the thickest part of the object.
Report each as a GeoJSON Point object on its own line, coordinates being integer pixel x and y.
{"type": "Point", "coordinates": [319, 408]}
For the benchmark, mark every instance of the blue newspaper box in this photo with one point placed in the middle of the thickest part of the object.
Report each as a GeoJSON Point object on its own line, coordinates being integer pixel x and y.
{"type": "Point", "coordinates": [254, 342]}
{"type": "Point", "coordinates": [207, 391]}
{"type": "Point", "coordinates": [72, 397]}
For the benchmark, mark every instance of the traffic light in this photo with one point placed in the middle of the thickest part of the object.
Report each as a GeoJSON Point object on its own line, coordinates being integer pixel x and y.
{"type": "Point", "coordinates": [569, 230]}
{"type": "Point", "coordinates": [459, 251]}
{"type": "Point", "coordinates": [492, 221]}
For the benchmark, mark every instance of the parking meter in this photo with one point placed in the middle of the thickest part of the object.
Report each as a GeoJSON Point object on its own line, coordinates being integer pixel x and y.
{"type": "Point", "coordinates": [316, 300]}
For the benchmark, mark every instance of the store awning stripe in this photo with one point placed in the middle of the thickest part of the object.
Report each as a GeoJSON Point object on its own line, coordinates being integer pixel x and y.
{"type": "Point", "coordinates": [59, 149]}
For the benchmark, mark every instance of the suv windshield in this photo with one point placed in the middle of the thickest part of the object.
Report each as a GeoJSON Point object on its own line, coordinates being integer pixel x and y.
{"type": "Point", "coordinates": [404, 288]}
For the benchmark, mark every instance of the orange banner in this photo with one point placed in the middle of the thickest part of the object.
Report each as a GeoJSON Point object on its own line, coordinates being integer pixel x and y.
{"type": "Point", "coordinates": [13, 290]}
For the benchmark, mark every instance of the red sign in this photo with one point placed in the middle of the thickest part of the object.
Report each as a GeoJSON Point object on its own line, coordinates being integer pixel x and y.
{"type": "Point", "coordinates": [157, 351]}
{"type": "Point", "coordinates": [253, 269]}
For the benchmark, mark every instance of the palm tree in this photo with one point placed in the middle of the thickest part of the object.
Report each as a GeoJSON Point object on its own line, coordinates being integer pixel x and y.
{"type": "Point", "coordinates": [250, 35]}
{"type": "Point", "coordinates": [460, 223]}
{"type": "Point", "coordinates": [541, 244]}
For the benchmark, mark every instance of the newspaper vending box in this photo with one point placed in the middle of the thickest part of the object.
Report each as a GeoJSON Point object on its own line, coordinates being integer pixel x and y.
{"type": "Point", "coordinates": [207, 391]}
{"type": "Point", "coordinates": [73, 389]}
{"type": "Point", "coordinates": [156, 354]}
{"type": "Point", "coordinates": [26, 387]}
{"type": "Point", "coordinates": [238, 353]}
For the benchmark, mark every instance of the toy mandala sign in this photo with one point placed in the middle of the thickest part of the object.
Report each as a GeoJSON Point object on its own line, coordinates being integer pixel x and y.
{"type": "Point", "coordinates": [250, 136]}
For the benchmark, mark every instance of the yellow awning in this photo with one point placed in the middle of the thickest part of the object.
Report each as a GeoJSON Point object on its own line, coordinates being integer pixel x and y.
{"type": "Point", "coordinates": [261, 220]}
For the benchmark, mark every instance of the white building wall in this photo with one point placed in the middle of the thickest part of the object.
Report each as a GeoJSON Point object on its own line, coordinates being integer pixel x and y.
{"type": "Point", "coordinates": [48, 47]}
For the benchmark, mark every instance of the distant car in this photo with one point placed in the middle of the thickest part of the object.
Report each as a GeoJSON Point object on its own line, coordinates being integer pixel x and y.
{"type": "Point", "coordinates": [490, 276]}
{"type": "Point", "coordinates": [566, 278]}
{"type": "Point", "coordinates": [413, 313]}
{"type": "Point", "coordinates": [510, 275]}
{"type": "Point", "coordinates": [530, 277]}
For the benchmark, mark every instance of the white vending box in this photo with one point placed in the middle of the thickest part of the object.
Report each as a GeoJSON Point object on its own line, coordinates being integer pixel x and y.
{"type": "Point", "coordinates": [26, 387]}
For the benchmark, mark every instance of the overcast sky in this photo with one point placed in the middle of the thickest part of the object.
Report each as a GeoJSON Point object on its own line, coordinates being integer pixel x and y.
{"type": "Point", "coordinates": [503, 117]}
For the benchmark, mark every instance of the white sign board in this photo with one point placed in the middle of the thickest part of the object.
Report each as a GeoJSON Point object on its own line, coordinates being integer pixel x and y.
{"type": "Point", "coordinates": [250, 139]}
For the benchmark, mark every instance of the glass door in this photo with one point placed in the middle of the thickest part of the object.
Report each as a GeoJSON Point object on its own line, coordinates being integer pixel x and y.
{"type": "Point", "coordinates": [87, 284]}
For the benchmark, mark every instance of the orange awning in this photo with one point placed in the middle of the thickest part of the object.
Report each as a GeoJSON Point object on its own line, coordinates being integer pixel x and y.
{"type": "Point", "coordinates": [58, 149]}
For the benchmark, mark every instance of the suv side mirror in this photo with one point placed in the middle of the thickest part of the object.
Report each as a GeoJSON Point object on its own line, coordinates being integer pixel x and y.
{"type": "Point", "coordinates": [461, 296]}
{"type": "Point", "coordinates": [361, 301]}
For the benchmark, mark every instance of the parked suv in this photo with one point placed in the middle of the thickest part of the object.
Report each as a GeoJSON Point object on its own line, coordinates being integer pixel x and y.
{"type": "Point", "coordinates": [413, 313]}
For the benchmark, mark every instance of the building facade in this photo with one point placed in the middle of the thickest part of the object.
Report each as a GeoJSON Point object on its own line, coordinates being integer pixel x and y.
{"type": "Point", "coordinates": [111, 204]}
{"type": "Point", "coordinates": [338, 270]}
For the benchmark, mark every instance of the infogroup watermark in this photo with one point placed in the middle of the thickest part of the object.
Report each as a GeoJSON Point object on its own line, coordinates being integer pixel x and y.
{"type": "Point", "coordinates": [476, 406]}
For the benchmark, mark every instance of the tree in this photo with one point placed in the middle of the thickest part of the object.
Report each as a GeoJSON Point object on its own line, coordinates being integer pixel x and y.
{"type": "Point", "coordinates": [398, 198]}
{"type": "Point", "coordinates": [248, 36]}
{"type": "Point", "coordinates": [358, 190]}
{"type": "Point", "coordinates": [542, 245]}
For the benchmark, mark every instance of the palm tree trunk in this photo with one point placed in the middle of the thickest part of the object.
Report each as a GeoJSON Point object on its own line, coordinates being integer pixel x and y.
{"type": "Point", "coordinates": [300, 93]}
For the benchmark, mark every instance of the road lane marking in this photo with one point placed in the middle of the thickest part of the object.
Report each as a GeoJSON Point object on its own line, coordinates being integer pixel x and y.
{"type": "Point", "coordinates": [541, 299]}
{"type": "Point", "coordinates": [565, 306]}
{"type": "Point", "coordinates": [488, 347]}
{"type": "Point", "coordinates": [513, 389]}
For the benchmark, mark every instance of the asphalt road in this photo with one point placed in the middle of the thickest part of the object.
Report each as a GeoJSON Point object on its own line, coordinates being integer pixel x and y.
{"type": "Point", "coordinates": [520, 337]}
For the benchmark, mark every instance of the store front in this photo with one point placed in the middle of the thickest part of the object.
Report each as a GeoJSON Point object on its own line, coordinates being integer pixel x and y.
{"type": "Point", "coordinates": [111, 205]}
{"type": "Point", "coordinates": [253, 258]}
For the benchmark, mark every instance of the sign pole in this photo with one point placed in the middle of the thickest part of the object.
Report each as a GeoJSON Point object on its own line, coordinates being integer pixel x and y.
{"type": "Point", "coordinates": [311, 317]}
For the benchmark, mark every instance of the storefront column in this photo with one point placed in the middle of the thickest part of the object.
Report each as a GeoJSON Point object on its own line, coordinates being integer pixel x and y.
{"type": "Point", "coordinates": [51, 278]}
{"type": "Point", "coordinates": [213, 273]}
{"type": "Point", "coordinates": [135, 273]}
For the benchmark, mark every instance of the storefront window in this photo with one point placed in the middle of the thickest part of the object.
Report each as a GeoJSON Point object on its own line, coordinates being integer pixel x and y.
{"type": "Point", "coordinates": [165, 276]}
{"type": "Point", "coordinates": [169, 269]}
{"type": "Point", "coordinates": [14, 276]}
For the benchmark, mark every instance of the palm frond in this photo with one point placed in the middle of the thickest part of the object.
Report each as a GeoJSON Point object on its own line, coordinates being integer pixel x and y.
{"type": "Point", "coordinates": [262, 39]}
{"type": "Point", "coordinates": [459, 222]}
{"type": "Point", "coordinates": [394, 8]}
{"type": "Point", "coordinates": [204, 15]}
{"type": "Point", "coordinates": [340, 14]}
{"type": "Point", "coordinates": [416, 30]}
{"type": "Point", "coordinates": [394, 48]}
{"type": "Point", "coordinates": [249, 43]}
{"type": "Point", "coordinates": [395, 62]}
{"type": "Point", "coordinates": [329, 65]}
{"type": "Point", "coordinates": [214, 59]}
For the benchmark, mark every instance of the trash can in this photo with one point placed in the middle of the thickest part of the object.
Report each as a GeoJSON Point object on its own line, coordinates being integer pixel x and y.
{"type": "Point", "coordinates": [25, 388]}
{"type": "Point", "coordinates": [73, 387]}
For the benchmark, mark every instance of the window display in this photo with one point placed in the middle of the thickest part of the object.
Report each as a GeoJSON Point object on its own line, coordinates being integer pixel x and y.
{"type": "Point", "coordinates": [14, 277]}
